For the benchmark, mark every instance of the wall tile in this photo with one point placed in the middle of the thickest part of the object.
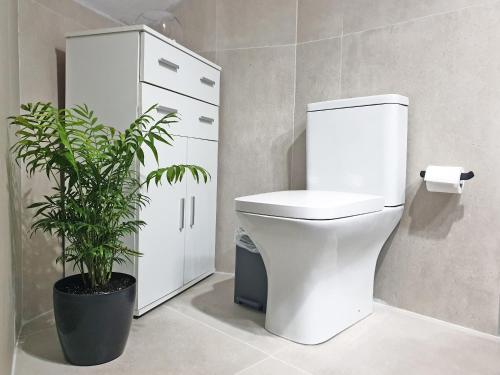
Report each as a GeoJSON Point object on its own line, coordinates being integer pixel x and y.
{"type": "Point", "coordinates": [317, 79]}
{"type": "Point", "coordinates": [255, 133]}
{"type": "Point", "coordinates": [368, 14]}
{"type": "Point", "coordinates": [9, 178]}
{"type": "Point", "coordinates": [42, 27]}
{"type": "Point", "coordinates": [194, 26]}
{"type": "Point", "coordinates": [255, 23]}
{"type": "Point", "coordinates": [444, 259]}
{"type": "Point", "coordinates": [78, 13]}
{"type": "Point", "coordinates": [319, 19]}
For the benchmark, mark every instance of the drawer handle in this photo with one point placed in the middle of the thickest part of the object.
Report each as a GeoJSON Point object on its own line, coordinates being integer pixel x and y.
{"type": "Point", "coordinates": [163, 109]}
{"type": "Point", "coordinates": [168, 64]}
{"type": "Point", "coordinates": [207, 81]}
{"type": "Point", "coordinates": [208, 120]}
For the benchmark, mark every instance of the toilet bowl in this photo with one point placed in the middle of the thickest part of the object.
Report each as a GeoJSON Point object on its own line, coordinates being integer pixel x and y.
{"type": "Point", "coordinates": [320, 271]}
{"type": "Point", "coordinates": [320, 246]}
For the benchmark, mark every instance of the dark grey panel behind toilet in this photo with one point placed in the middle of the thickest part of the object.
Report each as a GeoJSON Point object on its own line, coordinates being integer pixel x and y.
{"type": "Point", "coordinates": [250, 280]}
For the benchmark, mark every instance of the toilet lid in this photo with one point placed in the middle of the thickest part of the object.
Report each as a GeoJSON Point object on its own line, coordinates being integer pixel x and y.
{"type": "Point", "coordinates": [310, 204]}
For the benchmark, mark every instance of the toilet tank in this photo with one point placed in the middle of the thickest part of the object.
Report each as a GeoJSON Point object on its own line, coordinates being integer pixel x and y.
{"type": "Point", "coordinates": [358, 145]}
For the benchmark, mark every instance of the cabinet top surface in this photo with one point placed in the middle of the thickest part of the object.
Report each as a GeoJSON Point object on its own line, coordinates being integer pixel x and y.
{"type": "Point", "coordinates": [146, 29]}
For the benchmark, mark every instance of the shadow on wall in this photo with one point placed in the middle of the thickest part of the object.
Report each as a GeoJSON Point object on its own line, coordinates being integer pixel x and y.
{"type": "Point", "coordinates": [385, 249]}
{"type": "Point", "coordinates": [40, 270]}
{"type": "Point", "coordinates": [40, 250]}
{"type": "Point", "coordinates": [61, 78]}
{"type": "Point", "coordinates": [433, 214]}
{"type": "Point", "coordinates": [299, 163]}
{"type": "Point", "coordinates": [15, 211]}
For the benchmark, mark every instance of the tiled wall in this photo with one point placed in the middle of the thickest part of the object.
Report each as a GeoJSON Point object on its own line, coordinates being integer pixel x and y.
{"type": "Point", "coordinates": [277, 56]}
{"type": "Point", "coordinates": [9, 177]}
{"type": "Point", "coordinates": [444, 260]}
{"type": "Point", "coordinates": [42, 26]}
{"type": "Point", "coordinates": [256, 49]}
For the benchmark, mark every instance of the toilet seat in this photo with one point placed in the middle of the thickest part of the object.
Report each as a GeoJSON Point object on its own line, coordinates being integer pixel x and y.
{"type": "Point", "coordinates": [310, 204]}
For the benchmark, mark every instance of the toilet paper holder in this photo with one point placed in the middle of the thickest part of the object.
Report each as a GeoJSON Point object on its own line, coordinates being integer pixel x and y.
{"type": "Point", "coordinates": [463, 176]}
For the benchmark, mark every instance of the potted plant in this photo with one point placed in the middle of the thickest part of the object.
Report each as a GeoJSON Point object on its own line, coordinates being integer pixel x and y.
{"type": "Point", "coordinates": [94, 204]}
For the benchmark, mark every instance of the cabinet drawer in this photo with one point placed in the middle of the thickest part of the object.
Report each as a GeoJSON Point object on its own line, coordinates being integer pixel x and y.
{"type": "Point", "coordinates": [166, 66]}
{"type": "Point", "coordinates": [196, 119]}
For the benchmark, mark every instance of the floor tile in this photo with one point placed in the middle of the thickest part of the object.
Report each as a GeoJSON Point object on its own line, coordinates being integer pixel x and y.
{"type": "Point", "coordinates": [202, 331]}
{"type": "Point", "coordinates": [393, 342]}
{"type": "Point", "coordinates": [163, 342]}
{"type": "Point", "coordinates": [272, 366]}
{"type": "Point", "coordinates": [212, 303]}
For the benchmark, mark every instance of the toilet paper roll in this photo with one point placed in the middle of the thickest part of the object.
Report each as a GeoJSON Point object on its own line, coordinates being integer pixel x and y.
{"type": "Point", "coordinates": [444, 179]}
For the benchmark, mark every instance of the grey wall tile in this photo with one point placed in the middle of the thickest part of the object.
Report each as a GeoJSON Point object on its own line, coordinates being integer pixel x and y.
{"type": "Point", "coordinates": [9, 176]}
{"type": "Point", "coordinates": [42, 26]}
{"type": "Point", "coordinates": [444, 259]}
{"type": "Point", "coordinates": [78, 13]}
{"type": "Point", "coordinates": [319, 19]}
{"type": "Point", "coordinates": [317, 79]}
{"type": "Point", "coordinates": [256, 120]}
{"type": "Point", "coordinates": [255, 23]}
{"type": "Point", "coordinates": [368, 14]}
{"type": "Point", "coordinates": [194, 25]}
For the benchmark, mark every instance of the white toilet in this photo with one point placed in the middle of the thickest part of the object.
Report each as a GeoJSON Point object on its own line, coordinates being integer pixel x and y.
{"type": "Point", "coordinates": [320, 245]}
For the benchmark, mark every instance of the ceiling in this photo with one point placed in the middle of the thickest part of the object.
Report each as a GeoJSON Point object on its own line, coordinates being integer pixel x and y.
{"type": "Point", "coordinates": [149, 12]}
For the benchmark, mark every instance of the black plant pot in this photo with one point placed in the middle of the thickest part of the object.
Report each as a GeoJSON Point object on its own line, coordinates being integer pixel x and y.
{"type": "Point", "coordinates": [93, 328]}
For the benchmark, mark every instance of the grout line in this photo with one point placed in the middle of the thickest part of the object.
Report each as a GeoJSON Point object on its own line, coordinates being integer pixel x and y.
{"type": "Point", "coordinates": [290, 364]}
{"type": "Point", "coordinates": [292, 145]}
{"type": "Point", "coordinates": [23, 339]}
{"type": "Point", "coordinates": [23, 323]}
{"type": "Point", "coordinates": [252, 365]}
{"type": "Point", "coordinates": [268, 355]}
{"type": "Point", "coordinates": [341, 55]}
{"type": "Point", "coordinates": [216, 47]}
{"type": "Point", "coordinates": [485, 4]}
{"type": "Point", "coordinates": [256, 47]}
{"type": "Point", "coordinates": [21, 209]}
{"type": "Point", "coordinates": [216, 329]}
{"type": "Point", "coordinates": [224, 273]}
{"type": "Point", "coordinates": [321, 39]}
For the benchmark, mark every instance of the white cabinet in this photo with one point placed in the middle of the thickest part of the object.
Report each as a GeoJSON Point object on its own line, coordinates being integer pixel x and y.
{"type": "Point", "coordinates": [120, 73]}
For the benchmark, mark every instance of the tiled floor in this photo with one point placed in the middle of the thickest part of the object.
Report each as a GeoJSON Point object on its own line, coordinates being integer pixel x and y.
{"type": "Point", "coordinates": [203, 332]}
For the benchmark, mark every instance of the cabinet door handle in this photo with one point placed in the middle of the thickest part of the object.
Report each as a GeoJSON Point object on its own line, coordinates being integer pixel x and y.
{"type": "Point", "coordinates": [193, 202]}
{"type": "Point", "coordinates": [168, 64]}
{"type": "Point", "coordinates": [207, 81]}
{"type": "Point", "coordinates": [208, 120]}
{"type": "Point", "coordinates": [181, 214]}
{"type": "Point", "coordinates": [163, 109]}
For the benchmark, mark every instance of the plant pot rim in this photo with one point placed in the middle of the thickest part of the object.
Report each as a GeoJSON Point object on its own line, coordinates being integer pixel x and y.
{"type": "Point", "coordinates": [58, 283]}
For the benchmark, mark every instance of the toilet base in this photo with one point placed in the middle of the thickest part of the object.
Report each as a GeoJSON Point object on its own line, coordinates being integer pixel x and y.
{"type": "Point", "coordinates": [320, 272]}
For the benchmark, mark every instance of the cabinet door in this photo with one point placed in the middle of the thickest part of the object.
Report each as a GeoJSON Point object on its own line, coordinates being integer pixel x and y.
{"type": "Point", "coordinates": [161, 241]}
{"type": "Point", "coordinates": [201, 203]}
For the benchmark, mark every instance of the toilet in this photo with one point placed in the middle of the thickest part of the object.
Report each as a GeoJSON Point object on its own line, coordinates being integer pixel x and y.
{"type": "Point", "coordinates": [320, 245]}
